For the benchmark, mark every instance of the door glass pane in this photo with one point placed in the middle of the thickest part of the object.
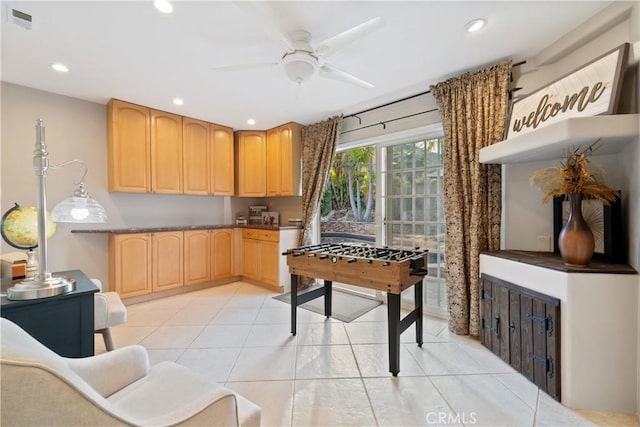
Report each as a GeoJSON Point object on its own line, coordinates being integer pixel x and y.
{"type": "Point", "coordinates": [418, 166]}
{"type": "Point", "coordinates": [348, 207]}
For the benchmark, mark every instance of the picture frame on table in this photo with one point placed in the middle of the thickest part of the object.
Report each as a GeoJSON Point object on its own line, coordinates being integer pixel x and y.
{"type": "Point", "coordinates": [605, 222]}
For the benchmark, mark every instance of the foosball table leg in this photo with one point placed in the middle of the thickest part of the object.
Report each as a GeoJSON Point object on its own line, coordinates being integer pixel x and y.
{"type": "Point", "coordinates": [418, 303]}
{"type": "Point", "coordinates": [393, 320]}
{"type": "Point", "coordinates": [328, 284]}
{"type": "Point", "coordinates": [294, 302]}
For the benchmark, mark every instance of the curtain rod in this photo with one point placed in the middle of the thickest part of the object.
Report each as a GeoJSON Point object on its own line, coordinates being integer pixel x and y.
{"type": "Point", "coordinates": [517, 64]}
{"type": "Point", "coordinates": [384, 123]}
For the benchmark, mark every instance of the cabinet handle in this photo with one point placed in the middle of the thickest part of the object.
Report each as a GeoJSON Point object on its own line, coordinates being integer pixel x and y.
{"type": "Point", "coordinates": [497, 329]}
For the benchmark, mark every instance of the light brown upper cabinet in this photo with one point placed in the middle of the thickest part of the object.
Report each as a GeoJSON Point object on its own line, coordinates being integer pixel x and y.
{"type": "Point", "coordinates": [159, 152]}
{"type": "Point", "coordinates": [283, 160]}
{"type": "Point", "coordinates": [128, 147]}
{"type": "Point", "coordinates": [222, 160]}
{"type": "Point", "coordinates": [166, 152]}
{"type": "Point", "coordinates": [251, 163]}
{"type": "Point", "coordinates": [195, 145]}
{"type": "Point", "coordinates": [269, 163]}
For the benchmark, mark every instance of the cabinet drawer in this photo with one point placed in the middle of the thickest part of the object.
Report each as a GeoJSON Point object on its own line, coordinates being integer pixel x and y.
{"type": "Point", "coordinates": [269, 235]}
{"type": "Point", "coordinates": [250, 233]}
{"type": "Point", "coordinates": [259, 234]}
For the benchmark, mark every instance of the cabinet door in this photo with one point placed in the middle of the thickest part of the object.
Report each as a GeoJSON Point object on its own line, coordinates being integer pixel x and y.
{"type": "Point", "coordinates": [197, 258]}
{"type": "Point", "coordinates": [290, 158]}
{"type": "Point", "coordinates": [486, 321]}
{"type": "Point", "coordinates": [195, 148]}
{"type": "Point", "coordinates": [251, 262]}
{"type": "Point", "coordinates": [222, 160]}
{"type": "Point", "coordinates": [166, 153]}
{"type": "Point", "coordinates": [251, 164]}
{"type": "Point", "coordinates": [274, 164]}
{"type": "Point", "coordinates": [286, 161]}
{"type": "Point", "coordinates": [269, 262]}
{"type": "Point", "coordinates": [128, 147]}
{"type": "Point", "coordinates": [130, 264]}
{"type": "Point", "coordinates": [515, 359]}
{"type": "Point", "coordinates": [168, 260]}
{"type": "Point", "coordinates": [500, 309]}
{"type": "Point", "coordinates": [221, 253]}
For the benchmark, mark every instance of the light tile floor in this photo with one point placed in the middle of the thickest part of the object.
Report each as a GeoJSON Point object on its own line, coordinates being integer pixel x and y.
{"type": "Point", "coordinates": [334, 373]}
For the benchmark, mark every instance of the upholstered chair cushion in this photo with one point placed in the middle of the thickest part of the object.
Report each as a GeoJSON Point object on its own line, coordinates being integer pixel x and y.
{"type": "Point", "coordinates": [40, 388]}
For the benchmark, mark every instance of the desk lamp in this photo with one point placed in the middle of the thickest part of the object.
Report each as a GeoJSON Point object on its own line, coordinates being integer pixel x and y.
{"type": "Point", "coordinates": [78, 208]}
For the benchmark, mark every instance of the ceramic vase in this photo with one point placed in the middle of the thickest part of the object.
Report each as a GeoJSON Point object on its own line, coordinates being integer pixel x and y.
{"type": "Point", "coordinates": [576, 242]}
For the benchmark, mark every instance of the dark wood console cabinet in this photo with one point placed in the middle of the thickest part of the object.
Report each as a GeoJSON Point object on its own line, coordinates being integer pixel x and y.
{"type": "Point", "coordinates": [522, 327]}
{"type": "Point", "coordinates": [63, 323]}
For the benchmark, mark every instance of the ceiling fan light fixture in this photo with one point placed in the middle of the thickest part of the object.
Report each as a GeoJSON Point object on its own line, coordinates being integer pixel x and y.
{"type": "Point", "coordinates": [300, 66]}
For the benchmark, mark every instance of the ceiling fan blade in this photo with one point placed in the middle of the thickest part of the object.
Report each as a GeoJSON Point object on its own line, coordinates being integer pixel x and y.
{"type": "Point", "coordinates": [265, 17]}
{"type": "Point", "coordinates": [239, 67]}
{"type": "Point", "coordinates": [331, 72]}
{"type": "Point", "coordinates": [332, 44]}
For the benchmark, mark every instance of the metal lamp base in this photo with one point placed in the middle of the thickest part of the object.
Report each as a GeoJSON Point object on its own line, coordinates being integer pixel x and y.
{"type": "Point", "coordinates": [41, 286]}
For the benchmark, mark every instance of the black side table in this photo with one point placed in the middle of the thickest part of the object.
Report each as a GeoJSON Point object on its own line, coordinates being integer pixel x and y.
{"type": "Point", "coordinates": [63, 323]}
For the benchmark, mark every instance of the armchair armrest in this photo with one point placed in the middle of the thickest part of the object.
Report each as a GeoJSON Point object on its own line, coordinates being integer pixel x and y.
{"type": "Point", "coordinates": [101, 311]}
{"type": "Point", "coordinates": [109, 372]}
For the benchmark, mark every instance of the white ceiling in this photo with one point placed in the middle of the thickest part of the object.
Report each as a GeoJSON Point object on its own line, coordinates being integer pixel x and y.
{"type": "Point", "coordinates": [130, 51]}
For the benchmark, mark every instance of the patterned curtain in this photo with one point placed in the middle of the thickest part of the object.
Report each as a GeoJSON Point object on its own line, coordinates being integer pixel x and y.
{"type": "Point", "coordinates": [473, 108]}
{"type": "Point", "coordinates": [318, 150]}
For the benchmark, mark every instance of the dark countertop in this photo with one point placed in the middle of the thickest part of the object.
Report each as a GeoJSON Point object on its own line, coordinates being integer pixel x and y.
{"type": "Point", "coordinates": [554, 262]}
{"type": "Point", "coordinates": [132, 230]}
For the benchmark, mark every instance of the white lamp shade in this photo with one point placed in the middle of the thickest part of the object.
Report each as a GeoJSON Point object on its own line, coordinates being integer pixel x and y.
{"type": "Point", "coordinates": [79, 210]}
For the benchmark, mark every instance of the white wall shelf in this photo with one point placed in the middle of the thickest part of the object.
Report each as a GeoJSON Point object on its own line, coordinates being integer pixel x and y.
{"type": "Point", "coordinates": [551, 142]}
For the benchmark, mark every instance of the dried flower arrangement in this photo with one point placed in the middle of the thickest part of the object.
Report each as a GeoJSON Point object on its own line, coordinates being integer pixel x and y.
{"type": "Point", "coordinates": [574, 176]}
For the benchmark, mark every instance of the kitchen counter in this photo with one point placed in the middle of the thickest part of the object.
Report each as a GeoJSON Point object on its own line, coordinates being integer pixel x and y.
{"type": "Point", "coordinates": [131, 230]}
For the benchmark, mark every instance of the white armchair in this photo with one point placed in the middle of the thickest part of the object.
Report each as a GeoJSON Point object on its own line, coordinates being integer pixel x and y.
{"type": "Point", "coordinates": [40, 388]}
{"type": "Point", "coordinates": [109, 311]}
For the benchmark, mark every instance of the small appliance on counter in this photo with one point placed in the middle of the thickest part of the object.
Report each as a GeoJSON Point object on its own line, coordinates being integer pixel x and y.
{"type": "Point", "coordinates": [270, 218]}
{"type": "Point", "coordinates": [241, 219]}
{"type": "Point", "coordinates": [255, 214]}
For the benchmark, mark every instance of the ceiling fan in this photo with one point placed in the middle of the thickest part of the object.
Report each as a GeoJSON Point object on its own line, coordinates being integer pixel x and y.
{"type": "Point", "coordinates": [301, 61]}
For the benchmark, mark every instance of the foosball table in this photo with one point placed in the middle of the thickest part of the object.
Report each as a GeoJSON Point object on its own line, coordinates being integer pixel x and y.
{"type": "Point", "coordinates": [383, 269]}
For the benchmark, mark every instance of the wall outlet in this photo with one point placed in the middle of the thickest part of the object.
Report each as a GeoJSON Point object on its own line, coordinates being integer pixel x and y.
{"type": "Point", "coordinates": [544, 244]}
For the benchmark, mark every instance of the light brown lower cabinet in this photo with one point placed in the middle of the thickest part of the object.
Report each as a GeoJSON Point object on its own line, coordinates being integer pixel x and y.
{"type": "Point", "coordinates": [221, 253]}
{"type": "Point", "coordinates": [197, 258]}
{"type": "Point", "coordinates": [260, 255]}
{"type": "Point", "coordinates": [143, 263]}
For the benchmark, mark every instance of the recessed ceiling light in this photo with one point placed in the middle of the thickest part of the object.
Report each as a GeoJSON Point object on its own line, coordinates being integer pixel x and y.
{"type": "Point", "coordinates": [178, 101]}
{"type": "Point", "coordinates": [251, 122]}
{"type": "Point", "coordinates": [60, 67]}
{"type": "Point", "coordinates": [475, 25]}
{"type": "Point", "coordinates": [163, 6]}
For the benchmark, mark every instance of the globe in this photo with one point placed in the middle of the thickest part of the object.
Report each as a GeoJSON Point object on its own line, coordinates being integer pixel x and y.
{"type": "Point", "coordinates": [19, 227]}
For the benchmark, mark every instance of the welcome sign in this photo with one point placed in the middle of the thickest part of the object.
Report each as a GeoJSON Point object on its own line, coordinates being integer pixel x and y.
{"type": "Point", "coordinates": [588, 91]}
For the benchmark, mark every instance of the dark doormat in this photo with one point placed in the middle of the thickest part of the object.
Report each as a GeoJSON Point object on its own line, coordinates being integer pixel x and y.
{"type": "Point", "coordinates": [345, 306]}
